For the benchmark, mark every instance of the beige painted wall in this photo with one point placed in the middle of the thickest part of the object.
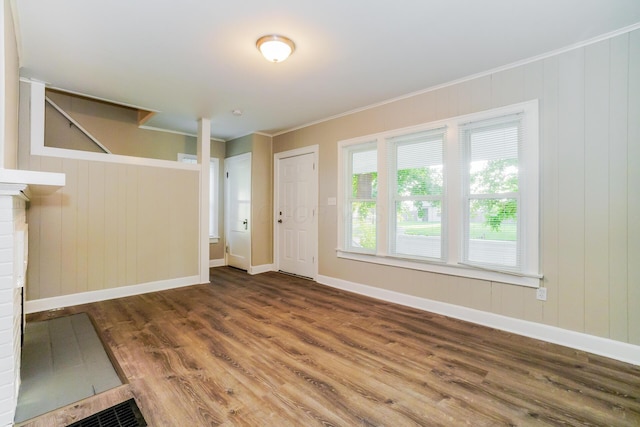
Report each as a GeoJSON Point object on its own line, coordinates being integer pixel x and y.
{"type": "Point", "coordinates": [9, 98]}
{"type": "Point", "coordinates": [112, 225]}
{"type": "Point", "coordinates": [260, 147]}
{"type": "Point", "coordinates": [262, 200]}
{"type": "Point", "coordinates": [239, 146]}
{"type": "Point", "coordinates": [114, 126]}
{"type": "Point", "coordinates": [590, 192]}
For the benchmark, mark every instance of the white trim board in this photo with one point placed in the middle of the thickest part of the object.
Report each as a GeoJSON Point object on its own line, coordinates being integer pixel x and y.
{"type": "Point", "coordinates": [259, 269]}
{"type": "Point", "coordinates": [52, 303]}
{"type": "Point", "coordinates": [617, 350]}
{"type": "Point", "coordinates": [217, 263]}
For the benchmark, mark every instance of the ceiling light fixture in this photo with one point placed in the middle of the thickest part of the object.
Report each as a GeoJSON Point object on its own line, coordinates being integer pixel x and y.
{"type": "Point", "coordinates": [275, 48]}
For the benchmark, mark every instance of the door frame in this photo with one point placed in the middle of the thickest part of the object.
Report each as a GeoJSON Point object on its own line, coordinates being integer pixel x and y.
{"type": "Point", "coordinates": [311, 149]}
{"type": "Point", "coordinates": [228, 206]}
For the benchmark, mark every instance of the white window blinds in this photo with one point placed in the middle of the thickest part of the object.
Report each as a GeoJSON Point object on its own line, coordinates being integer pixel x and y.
{"type": "Point", "coordinates": [362, 193]}
{"type": "Point", "coordinates": [491, 191]}
{"type": "Point", "coordinates": [416, 186]}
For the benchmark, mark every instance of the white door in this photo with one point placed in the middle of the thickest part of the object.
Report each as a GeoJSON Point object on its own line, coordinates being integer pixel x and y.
{"type": "Point", "coordinates": [296, 215]}
{"type": "Point", "coordinates": [238, 210]}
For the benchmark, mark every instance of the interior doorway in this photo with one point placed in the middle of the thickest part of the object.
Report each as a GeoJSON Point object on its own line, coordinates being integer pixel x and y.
{"type": "Point", "coordinates": [237, 217]}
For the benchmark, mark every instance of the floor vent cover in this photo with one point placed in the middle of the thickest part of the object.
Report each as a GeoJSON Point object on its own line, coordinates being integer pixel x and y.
{"type": "Point", "coordinates": [125, 414]}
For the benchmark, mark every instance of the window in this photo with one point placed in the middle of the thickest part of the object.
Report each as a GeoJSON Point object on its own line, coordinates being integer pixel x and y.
{"type": "Point", "coordinates": [457, 196]}
{"type": "Point", "coordinates": [491, 198]}
{"type": "Point", "coordinates": [362, 193]}
{"type": "Point", "coordinates": [213, 191]}
{"type": "Point", "coordinates": [416, 189]}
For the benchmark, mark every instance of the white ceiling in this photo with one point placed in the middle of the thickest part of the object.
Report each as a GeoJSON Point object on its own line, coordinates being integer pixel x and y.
{"type": "Point", "coordinates": [197, 58]}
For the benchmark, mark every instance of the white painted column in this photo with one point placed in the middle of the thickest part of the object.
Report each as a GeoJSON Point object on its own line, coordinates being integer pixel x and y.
{"type": "Point", "coordinates": [204, 158]}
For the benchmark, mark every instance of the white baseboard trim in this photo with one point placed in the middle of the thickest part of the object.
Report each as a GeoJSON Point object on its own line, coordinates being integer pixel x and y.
{"type": "Point", "coordinates": [624, 352]}
{"type": "Point", "coordinates": [257, 269]}
{"type": "Point", "coordinates": [217, 263]}
{"type": "Point", "coordinates": [44, 304]}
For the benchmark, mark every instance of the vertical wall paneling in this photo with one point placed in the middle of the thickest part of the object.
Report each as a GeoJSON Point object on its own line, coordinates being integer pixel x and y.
{"type": "Point", "coordinates": [163, 192]}
{"type": "Point", "coordinates": [146, 240]}
{"type": "Point", "coordinates": [464, 97]}
{"type": "Point", "coordinates": [549, 198]}
{"type": "Point", "coordinates": [446, 102]}
{"type": "Point", "coordinates": [507, 87]}
{"type": "Point", "coordinates": [424, 105]}
{"type": "Point", "coordinates": [24, 126]}
{"type": "Point", "coordinates": [32, 288]}
{"type": "Point", "coordinates": [82, 228]}
{"type": "Point", "coordinates": [122, 224]}
{"type": "Point", "coordinates": [96, 226]}
{"type": "Point", "coordinates": [481, 94]}
{"type": "Point", "coordinates": [571, 190]}
{"type": "Point", "coordinates": [633, 154]}
{"type": "Point", "coordinates": [512, 300]}
{"type": "Point", "coordinates": [597, 189]}
{"type": "Point", "coordinates": [131, 221]}
{"type": "Point", "coordinates": [618, 187]}
{"type": "Point", "coordinates": [50, 235]}
{"type": "Point", "coordinates": [479, 292]}
{"type": "Point", "coordinates": [176, 230]}
{"type": "Point", "coordinates": [69, 244]}
{"type": "Point", "coordinates": [111, 210]}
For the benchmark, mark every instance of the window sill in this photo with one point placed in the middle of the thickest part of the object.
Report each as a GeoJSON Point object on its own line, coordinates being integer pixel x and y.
{"type": "Point", "coordinates": [450, 269]}
{"type": "Point", "coordinates": [213, 240]}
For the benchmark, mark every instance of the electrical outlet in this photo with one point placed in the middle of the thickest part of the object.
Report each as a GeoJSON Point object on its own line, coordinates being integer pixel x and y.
{"type": "Point", "coordinates": [541, 294]}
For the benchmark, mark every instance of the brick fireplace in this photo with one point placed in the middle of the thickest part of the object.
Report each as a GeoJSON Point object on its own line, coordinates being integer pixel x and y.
{"type": "Point", "coordinates": [15, 189]}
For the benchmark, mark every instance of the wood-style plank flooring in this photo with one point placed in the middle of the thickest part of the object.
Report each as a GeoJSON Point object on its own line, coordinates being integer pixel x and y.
{"type": "Point", "coordinates": [275, 350]}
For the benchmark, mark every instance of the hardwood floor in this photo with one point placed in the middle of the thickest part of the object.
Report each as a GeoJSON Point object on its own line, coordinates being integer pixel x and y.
{"type": "Point", "coordinates": [275, 350]}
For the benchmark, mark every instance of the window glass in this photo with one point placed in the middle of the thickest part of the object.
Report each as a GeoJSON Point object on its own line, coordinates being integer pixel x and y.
{"type": "Point", "coordinates": [363, 167]}
{"type": "Point", "coordinates": [417, 183]}
{"type": "Point", "coordinates": [491, 228]}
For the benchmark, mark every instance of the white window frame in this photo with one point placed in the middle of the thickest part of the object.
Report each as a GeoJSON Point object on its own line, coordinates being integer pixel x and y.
{"type": "Point", "coordinates": [391, 151]}
{"type": "Point", "coordinates": [214, 202]}
{"type": "Point", "coordinates": [453, 201]}
{"type": "Point", "coordinates": [348, 236]}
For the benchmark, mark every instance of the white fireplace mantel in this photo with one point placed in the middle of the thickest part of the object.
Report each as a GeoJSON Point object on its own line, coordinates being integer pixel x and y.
{"type": "Point", "coordinates": [31, 183]}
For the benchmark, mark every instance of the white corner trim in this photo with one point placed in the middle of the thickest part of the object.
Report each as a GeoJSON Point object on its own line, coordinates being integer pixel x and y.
{"type": "Point", "coordinates": [44, 304]}
{"type": "Point", "coordinates": [217, 263]}
{"type": "Point", "coordinates": [624, 352]}
{"type": "Point", "coordinates": [258, 269]}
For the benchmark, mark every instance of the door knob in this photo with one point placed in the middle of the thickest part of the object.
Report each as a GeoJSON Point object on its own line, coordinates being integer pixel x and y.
{"type": "Point", "coordinates": [280, 221]}
{"type": "Point", "coordinates": [246, 224]}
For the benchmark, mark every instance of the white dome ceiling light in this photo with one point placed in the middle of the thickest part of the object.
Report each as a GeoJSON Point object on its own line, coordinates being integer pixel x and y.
{"type": "Point", "coordinates": [275, 48]}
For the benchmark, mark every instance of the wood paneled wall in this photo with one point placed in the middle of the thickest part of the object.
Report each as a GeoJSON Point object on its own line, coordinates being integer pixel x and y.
{"type": "Point", "coordinates": [112, 225]}
{"type": "Point", "coordinates": [590, 188]}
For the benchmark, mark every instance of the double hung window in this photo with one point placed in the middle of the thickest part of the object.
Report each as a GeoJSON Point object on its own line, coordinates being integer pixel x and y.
{"type": "Point", "coordinates": [362, 193]}
{"type": "Point", "coordinates": [416, 187]}
{"type": "Point", "coordinates": [491, 181]}
{"type": "Point", "coordinates": [457, 196]}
